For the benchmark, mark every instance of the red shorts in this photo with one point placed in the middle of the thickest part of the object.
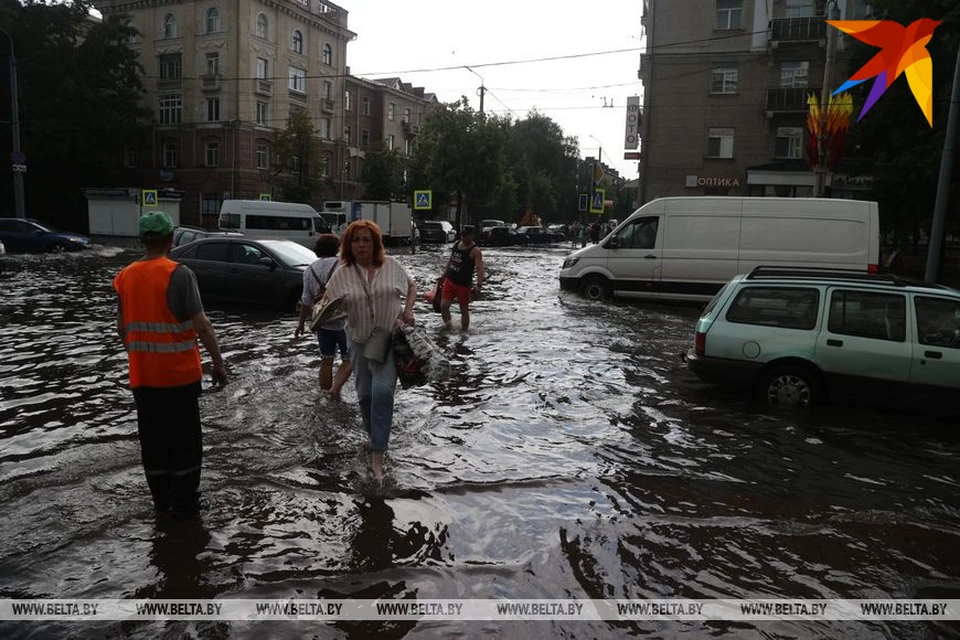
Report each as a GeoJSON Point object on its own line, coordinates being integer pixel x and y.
{"type": "Point", "coordinates": [452, 290]}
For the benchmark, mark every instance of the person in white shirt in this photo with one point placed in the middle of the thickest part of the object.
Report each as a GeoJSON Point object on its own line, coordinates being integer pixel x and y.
{"type": "Point", "coordinates": [376, 292]}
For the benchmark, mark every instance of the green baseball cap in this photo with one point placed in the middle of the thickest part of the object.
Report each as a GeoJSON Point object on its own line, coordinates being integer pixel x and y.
{"type": "Point", "coordinates": [157, 222]}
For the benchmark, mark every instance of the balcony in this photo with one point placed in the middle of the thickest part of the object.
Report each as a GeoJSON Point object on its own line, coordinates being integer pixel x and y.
{"type": "Point", "coordinates": [792, 100]}
{"type": "Point", "coordinates": [811, 29]}
{"type": "Point", "coordinates": [409, 129]}
{"type": "Point", "coordinates": [262, 87]}
{"type": "Point", "coordinates": [210, 82]}
{"type": "Point", "coordinates": [169, 84]}
{"type": "Point", "coordinates": [326, 106]}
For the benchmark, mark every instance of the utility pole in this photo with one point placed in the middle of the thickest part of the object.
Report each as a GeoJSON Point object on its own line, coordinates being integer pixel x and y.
{"type": "Point", "coordinates": [935, 245]}
{"type": "Point", "coordinates": [482, 90]}
{"type": "Point", "coordinates": [820, 177]}
{"type": "Point", "coordinates": [17, 158]}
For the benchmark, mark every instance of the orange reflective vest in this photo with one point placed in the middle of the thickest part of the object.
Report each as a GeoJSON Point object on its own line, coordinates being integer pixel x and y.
{"type": "Point", "coordinates": [162, 349]}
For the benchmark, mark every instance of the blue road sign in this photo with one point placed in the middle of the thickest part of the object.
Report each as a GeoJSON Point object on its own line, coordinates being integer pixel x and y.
{"type": "Point", "coordinates": [596, 202]}
{"type": "Point", "coordinates": [423, 199]}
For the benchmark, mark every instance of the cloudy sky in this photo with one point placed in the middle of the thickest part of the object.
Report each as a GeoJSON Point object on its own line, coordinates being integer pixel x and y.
{"type": "Point", "coordinates": [600, 43]}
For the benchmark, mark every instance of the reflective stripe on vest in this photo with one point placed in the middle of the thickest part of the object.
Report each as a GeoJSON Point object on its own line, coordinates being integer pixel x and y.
{"type": "Point", "coordinates": [161, 348]}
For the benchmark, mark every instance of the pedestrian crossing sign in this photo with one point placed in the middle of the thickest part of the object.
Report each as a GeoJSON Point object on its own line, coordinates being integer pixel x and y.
{"type": "Point", "coordinates": [596, 201]}
{"type": "Point", "coordinates": [149, 198]}
{"type": "Point", "coordinates": [423, 199]}
{"type": "Point", "coordinates": [265, 197]}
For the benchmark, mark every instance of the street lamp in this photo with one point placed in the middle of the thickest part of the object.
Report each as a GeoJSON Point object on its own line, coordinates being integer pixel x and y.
{"type": "Point", "coordinates": [820, 175]}
{"type": "Point", "coordinates": [17, 157]}
{"type": "Point", "coordinates": [482, 88]}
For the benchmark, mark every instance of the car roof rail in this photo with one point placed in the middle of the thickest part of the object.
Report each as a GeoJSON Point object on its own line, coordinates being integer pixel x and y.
{"type": "Point", "coordinates": [839, 274]}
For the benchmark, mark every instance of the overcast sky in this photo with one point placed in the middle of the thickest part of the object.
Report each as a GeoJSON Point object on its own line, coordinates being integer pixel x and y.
{"type": "Point", "coordinates": [401, 38]}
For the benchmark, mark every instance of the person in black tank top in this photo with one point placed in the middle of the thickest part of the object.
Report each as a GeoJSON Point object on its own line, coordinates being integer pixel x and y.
{"type": "Point", "coordinates": [465, 258]}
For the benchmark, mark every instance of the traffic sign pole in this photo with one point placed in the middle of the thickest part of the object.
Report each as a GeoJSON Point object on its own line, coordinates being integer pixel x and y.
{"type": "Point", "coordinates": [19, 163]}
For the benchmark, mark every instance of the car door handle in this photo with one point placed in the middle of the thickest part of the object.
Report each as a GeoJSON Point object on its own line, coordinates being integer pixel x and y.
{"type": "Point", "coordinates": [933, 355]}
{"type": "Point", "coordinates": [650, 257]}
{"type": "Point", "coordinates": [834, 343]}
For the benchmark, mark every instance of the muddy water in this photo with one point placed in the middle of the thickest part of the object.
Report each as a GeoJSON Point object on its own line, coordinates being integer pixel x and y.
{"type": "Point", "coordinates": [569, 455]}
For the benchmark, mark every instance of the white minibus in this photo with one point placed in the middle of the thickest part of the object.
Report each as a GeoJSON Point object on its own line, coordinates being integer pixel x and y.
{"type": "Point", "coordinates": [267, 219]}
{"type": "Point", "coordinates": [686, 248]}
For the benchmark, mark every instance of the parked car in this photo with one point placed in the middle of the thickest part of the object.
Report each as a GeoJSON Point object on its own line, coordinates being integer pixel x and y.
{"type": "Point", "coordinates": [489, 223]}
{"type": "Point", "coordinates": [246, 271]}
{"type": "Point", "coordinates": [540, 235]}
{"type": "Point", "coordinates": [800, 336]}
{"type": "Point", "coordinates": [501, 237]}
{"type": "Point", "coordinates": [30, 236]}
{"type": "Point", "coordinates": [186, 235]}
{"type": "Point", "coordinates": [437, 232]}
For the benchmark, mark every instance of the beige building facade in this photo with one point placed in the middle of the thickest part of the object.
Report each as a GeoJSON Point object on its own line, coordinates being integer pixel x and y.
{"type": "Point", "coordinates": [223, 76]}
{"type": "Point", "coordinates": [725, 87]}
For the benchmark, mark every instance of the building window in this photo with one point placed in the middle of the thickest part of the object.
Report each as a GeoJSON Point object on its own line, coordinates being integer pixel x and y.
{"type": "Point", "coordinates": [390, 109]}
{"type": "Point", "coordinates": [211, 154]}
{"type": "Point", "coordinates": [729, 14]}
{"type": "Point", "coordinates": [262, 26]}
{"type": "Point", "coordinates": [212, 20]}
{"type": "Point", "coordinates": [795, 75]}
{"type": "Point", "coordinates": [365, 106]}
{"type": "Point", "coordinates": [169, 67]}
{"type": "Point", "coordinates": [390, 142]}
{"type": "Point", "coordinates": [326, 57]}
{"type": "Point", "coordinates": [130, 157]}
{"type": "Point", "coordinates": [262, 68]}
{"type": "Point", "coordinates": [724, 79]}
{"type": "Point", "coordinates": [327, 90]}
{"type": "Point", "coordinates": [325, 128]}
{"type": "Point", "coordinates": [789, 143]}
{"type": "Point", "coordinates": [131, 37]}
{"type": "Point", "coordinates": [213, 64]}
{"type": "Point", "coordinates": [297, 44]}
{"type": "Point", "coordinates": [347, 135]}
{"type": "Point", "coordinates": [406, 115]}
{"type": "Point", "coordinates": [347, 102]}
{"type": "Point", "coordinates": [407, 146]}
{"type": "Point", "coordinates": [171, 107]}
{"type": "Point", "coordinates": [262, 114]}
{"type": "Point", "coordinates": [170, 26]}
{"type": "Point", "coordinates": [325, 166]}
{"type": "Point", "coordinates": [719, 142]}
{"type": "Point", "coordinates": [799, 9]}
{"type": "Point", "coordinates": [169, 154]}
{"type": "Point", "coordinates": [262, 156]}
{"type": "Point", "coordinates": [298, 80]}
{"type": "Point", "coordinates": [364, 139]}
{"type": "Point", "coordinates": [211, 110]}
{"type": "Point", "coordinates": [210, 203]}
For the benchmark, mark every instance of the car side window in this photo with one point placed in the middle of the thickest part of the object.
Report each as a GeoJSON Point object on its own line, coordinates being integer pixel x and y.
{"type": "Point", "coordinates": [639, 234]}
{"type": "Point", "coordinates": [787, 307]}
{"type": "Point", "coordinates": [868, 314]}
{"type": "Point", "coordinates": [216, 251]}
{"type": "Point", "coordinates": [938, 322]}
{"type": "Point", "coordinates": [247, 253]}
{"type": "Point", "coordinates": [187, 236]}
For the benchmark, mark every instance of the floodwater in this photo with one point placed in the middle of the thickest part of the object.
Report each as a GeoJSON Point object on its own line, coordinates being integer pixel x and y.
{"type": "Point", "coordinates": [570, 455]}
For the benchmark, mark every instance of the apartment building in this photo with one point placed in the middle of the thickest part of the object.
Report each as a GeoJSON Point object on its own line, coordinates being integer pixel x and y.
{"type": "Point", "coordinates": [725, 87]}
{"type": "Point", "coordinates": [221, 78]}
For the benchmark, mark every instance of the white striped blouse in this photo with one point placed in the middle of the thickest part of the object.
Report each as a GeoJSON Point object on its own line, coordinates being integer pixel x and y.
{"type": "Point", "coordinates": [388, 291]}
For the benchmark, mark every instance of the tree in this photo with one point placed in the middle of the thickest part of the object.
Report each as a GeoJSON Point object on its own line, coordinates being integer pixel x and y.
{"type": "Point", "coordinates": [544, 162]}
{"type": "Point", "coordinates": [300, 160]}
{"type": "Point", "coordinates": [382, 173]}
{"type": "Point", "coordinates": [893, 141]}
{"type": "Point", "coordinates": [80, 94]}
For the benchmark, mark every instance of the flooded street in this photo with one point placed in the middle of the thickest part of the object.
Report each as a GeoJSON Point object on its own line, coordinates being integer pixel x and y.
{"type": "Point", "coordinates": [570, 455]}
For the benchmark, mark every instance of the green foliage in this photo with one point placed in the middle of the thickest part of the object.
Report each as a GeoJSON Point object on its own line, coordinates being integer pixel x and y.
{"type": "Point", "coordinates": [299, 164]}
{"type": "Point", "coordinates": [893, 141]}
{"type": "Point", "coordinates": [382, 173]}
{"type": "Point", "coordinates": [79, 94]}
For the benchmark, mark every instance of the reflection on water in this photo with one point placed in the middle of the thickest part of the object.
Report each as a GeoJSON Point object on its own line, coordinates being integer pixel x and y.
{"type": "Point", "coordinates": [569, 455]}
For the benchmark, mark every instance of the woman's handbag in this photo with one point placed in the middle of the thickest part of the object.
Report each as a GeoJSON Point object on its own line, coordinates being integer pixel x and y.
{"type": "Point", "coordinates": [378, 344]}
{"type": "Point", "coordinates": [319, 313]}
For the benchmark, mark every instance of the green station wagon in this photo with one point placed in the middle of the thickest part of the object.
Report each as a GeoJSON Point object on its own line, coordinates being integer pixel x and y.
{"type": "Point", "coordinates": [799, 336]}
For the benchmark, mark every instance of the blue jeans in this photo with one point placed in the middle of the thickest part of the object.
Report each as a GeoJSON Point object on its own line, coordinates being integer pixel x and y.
{"type": "Point", "coordinates": [375, 390]}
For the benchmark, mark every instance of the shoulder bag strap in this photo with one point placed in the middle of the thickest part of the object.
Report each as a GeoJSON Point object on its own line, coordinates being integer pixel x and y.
{"type": "Point", "coordinates": [363, 281]}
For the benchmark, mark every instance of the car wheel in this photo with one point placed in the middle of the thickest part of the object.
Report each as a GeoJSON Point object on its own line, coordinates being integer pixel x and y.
{"type": "Point", "coordinates": [595, 288]}
{"type": "Point", "coordinates": [56, 247]}
{"type": "Point", "coordinates": [790, 386]}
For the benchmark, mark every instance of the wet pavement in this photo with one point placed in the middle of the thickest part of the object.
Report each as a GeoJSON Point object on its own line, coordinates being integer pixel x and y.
{"type": "Point", "coordinates": [570, 455]}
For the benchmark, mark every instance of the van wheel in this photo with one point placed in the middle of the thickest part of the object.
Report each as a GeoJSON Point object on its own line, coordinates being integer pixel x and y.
{"type": "Point", "coordinates": [595, 288]}
{"type": "Point", "coordinates": [790, 386]}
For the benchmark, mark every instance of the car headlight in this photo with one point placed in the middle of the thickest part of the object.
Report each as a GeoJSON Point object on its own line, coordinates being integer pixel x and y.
{"type": "Point", "coordinates": [569, 262]}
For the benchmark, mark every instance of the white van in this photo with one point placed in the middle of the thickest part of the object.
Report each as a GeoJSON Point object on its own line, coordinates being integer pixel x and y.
{"type": "Point", "coordinates": [266, 219]}
{"type": "Point", "coordinates": [686, 248]}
